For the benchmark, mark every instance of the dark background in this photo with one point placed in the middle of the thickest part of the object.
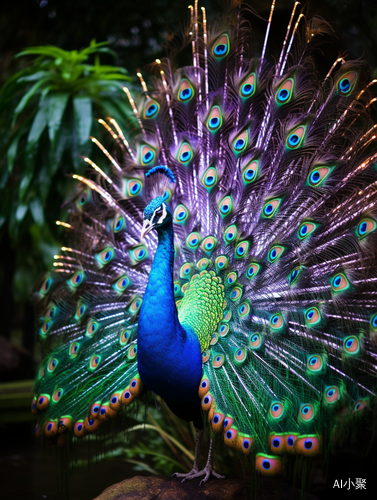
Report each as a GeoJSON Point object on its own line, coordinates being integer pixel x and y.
{"type": "Point", "coordinates": [136, 31]}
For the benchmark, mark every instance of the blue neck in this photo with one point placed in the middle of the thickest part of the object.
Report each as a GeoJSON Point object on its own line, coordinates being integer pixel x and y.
{"type": "Point", "coordinates": [158, 301]}
{"type": "Point", "coordinates": [169, 357]}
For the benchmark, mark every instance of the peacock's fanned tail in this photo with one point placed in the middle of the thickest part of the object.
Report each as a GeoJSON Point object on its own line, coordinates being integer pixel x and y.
{"type": "Point", "coordinates": [276, 198]}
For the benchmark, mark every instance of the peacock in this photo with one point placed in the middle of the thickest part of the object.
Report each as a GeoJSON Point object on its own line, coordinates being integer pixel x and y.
{"type": "Point", "coordinates": [226, 260]}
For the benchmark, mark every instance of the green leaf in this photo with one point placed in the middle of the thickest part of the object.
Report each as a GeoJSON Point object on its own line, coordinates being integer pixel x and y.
{"type": "Point", "coordinates": [26, 179]}
{"type": "Point", "coordinates": [36, 210]}
{"type": "Point", "coordinates": [43, 50]}
{"type": "Point", "coordinates": [27, 96]}
{"type": "Point", "coordinates": [33, 77]}
{"type": "Point", "coordinates": [21, 212]}
{"type": "Point", "coordinates": [83, 117]}
{"type": "Point", "coordinates": [56, 107]}
{"type": "Point", "coordinates": [38, 126]}
{"type": "Point", "coordinates": [12, 152]}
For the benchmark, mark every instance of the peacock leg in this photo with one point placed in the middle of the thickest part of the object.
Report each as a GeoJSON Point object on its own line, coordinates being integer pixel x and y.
{"type": "Point", "coordinates": [208, 469]}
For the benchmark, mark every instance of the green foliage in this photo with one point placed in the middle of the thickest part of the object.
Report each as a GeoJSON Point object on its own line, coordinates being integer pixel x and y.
{"type": "Point", "coordinates": [47, 113]}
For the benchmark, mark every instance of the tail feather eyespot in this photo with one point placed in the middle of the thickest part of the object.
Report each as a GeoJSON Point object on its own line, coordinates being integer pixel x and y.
{"type": "Point", "coordinates": [248, 86]}
{"type": "Point", "coordinates": [79, 429]}
{"type": "Point", "coordinates": [307, 412]}
{"type": "Point", "coordinates": [207, 402]}
{"type": "Point", "coordinates": [228, 422]}
{"type": "Point", "coordinates": [115, 401]}
{"type": "Point", "coordinates": [105, 412]}
{"type": "Point", "coordinates": [43, 402]}
{"type": "Point", "coordinates": [203, 387]}
{"type": "Point", "coordinates": [221, 46]}
{"type": "Point", "coordinates": [289, 442]}
{"type": "Point", "coordinates": [217, 422]}
{"type": "Point", "coordinates": [308, 445]}
{"type": "Point", "coordinates": [91, 425]}
{"type": "Point", "coordinates": [51, 428]}
{"type": "Point", "coordinates": [250, 172]}
{"type": "Point", "coordinates": [136, 386]}
{"type": "Point", "coordinates": [185, 91]}
{"type": "Point", "coordinates": [94, 409]}
{"type": "Point", "coordinates": [240, 142]}
{"type": "Point", "coordinates": [127, 397]}
{"type": "Point", "coordinates": [244, 443]}
{"type": "Point", "coordinates": [268, 465]}
{"type": "Point", "coordinates": [277, 443]}
{"type": "Point", "coordinates": [230, 437]}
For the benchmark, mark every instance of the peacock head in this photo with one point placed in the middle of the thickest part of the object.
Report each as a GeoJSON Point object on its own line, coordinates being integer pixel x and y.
{"type": "Point", "coordinates": [156, 214]}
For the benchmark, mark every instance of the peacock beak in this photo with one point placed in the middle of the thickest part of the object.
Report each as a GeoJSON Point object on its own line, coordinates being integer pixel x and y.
{"type": "Point", "coordinates": [147, 228]}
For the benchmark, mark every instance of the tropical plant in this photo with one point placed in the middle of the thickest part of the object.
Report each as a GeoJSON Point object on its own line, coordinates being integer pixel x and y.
{"type": "Point", "coordinates": [47, 113]}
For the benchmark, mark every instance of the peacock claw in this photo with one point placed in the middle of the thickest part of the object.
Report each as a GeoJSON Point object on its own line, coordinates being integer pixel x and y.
{"type": "Point", "coordinates": [206, 472]}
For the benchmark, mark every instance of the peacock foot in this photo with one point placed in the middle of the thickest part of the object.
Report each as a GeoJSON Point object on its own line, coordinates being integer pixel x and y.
{"type": "Point", "coordinates": [206, 472]}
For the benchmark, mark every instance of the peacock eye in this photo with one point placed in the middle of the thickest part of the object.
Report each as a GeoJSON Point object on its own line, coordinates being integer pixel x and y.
{"type": "Point", "coordinates": [185, 91]}
{"type": "Point", "coordinates": [284, 93]}
{"type": "Point", "coordinates": [247, 88]}
{"type": "Point", "coordinates": [240, 142]}
{"type": "Point", "coordinates": [365, 227]}
{"type": "Point", "coordinates": [221, 46]}
{"type": "Point", "coordinates": [347, 83]}
{"type": "Point", "coordinates": [185, 153]}
{"type": "Point", "coordinates": [147, 154]}
{"type": "Point", "coordinates": [296, 137]}
{"type": "Point", "coordinates": [151, 109]}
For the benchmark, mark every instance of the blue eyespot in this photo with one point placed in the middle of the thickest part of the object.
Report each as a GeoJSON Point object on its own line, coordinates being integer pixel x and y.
{"type": "Point", "coordinates": [148, 157]}
{"type": "Point", "coordinates": [274, 320]}
{"type": "Point", "coordinates": [308, 444]}
{"type": "Point", "coordinates": [349, 343]}
{"type": "Point", "coordinates": [315, 177]}
{"type": "Point", "coordinates": [290, 441]}
{"type": "Point", "coordinates": [266, 464]}
{"type": "Point", "coordinates": [247, 89]}
{"type": "Point", "coordinates": [283, 95]}
{"type": "Point", "coordinates": [114, 400]}
{"type": "Point", "coordinates": [152, 109]}
{"type": "Point", "coordinates": [185, 156]}
{"type": "Point", "coordinates": [273, 254]}
{"type": "Point", "coordinates": [275, 443]}
{"type": "Point", "coordinates": [337, 281]}
{"type": "Point", "coordinates": [268, 209]}
{"type": "Point", "coordinates": [310, 314]}
{"type": "Point", "coordinates": [220, 49]}
{"type": "Point", "coordinates": [249, 174]}
{"type": "Point", "coordinates": [185, 94]}
{"type": "Point", "coordinates": [293, 140]}
{"type": "Point", "coordinates": [229, 434]}
{"type": "Point", "coordinates": [305, 410]}
{"type": "Point", "coordinates": [214, 122]}
{"type": "Point", "coordinates": [313, 360]}
{"type": "Point", "coordinates": [239, 144]}
{"type": "Point", "coordinates": [330, 392]}
{"type": "Point", "coordinates": [344, 85]}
